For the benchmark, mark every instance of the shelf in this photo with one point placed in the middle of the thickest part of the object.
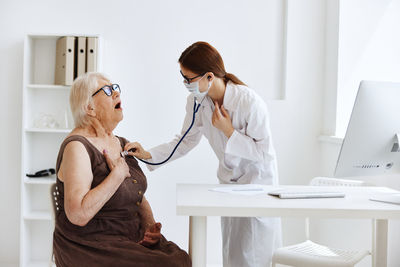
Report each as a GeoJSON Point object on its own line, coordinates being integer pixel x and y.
{"type": "Point", "coordinates": [44, 105]}
{"type": "Point", "coordinates": [38, 216]}
{"type": "Point", "coordinates": [44, 130]}
{"type": "Point", "coordinates": [48, 86]}
{"type": "Point", "coordinates": [44, 180]}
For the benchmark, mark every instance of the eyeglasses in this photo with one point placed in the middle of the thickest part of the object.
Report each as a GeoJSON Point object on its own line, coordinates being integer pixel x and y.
{"type": "Point", "coordinates": [189, 80]}
{"type": "Point", "coordinates": [107, 89]}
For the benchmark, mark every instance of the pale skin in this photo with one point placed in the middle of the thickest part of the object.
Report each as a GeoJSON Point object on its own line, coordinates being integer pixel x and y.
{"type": "Point", "coordinates": [81, 202]}
{"type": "Point", "coordinates": [220, 118]}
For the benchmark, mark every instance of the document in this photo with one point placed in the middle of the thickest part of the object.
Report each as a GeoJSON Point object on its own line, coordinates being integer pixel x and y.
{"type": "Point", "coordinates": [241, 189]}
{"type": "Point", "coordinates": [387, 198]}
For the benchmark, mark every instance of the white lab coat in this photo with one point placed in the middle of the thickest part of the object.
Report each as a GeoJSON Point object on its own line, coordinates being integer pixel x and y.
{"type": "Point", "coordinates": [248, 156]}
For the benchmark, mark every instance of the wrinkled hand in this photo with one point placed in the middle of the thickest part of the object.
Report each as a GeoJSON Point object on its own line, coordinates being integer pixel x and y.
{"type": "Point", "coordinates": [118, 165]}
{"type": "Point", "coordinates": [222, 121]}
{"type": "Point", "coordinates": [152, 235]}
{"type": "Point", "coordinates": [135, 149]}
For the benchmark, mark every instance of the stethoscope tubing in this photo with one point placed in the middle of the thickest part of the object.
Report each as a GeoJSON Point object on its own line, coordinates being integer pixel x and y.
{"type": "Point", "coordinates": [195, 109]}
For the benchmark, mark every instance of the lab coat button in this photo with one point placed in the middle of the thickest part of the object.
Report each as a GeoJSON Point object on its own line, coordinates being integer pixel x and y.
{"type": "Point", "coordinates": [140, 192]}
{"type": "Point", "coordinates": [134, 181]}
{"type": "Point", "coordinates": [138, 203]}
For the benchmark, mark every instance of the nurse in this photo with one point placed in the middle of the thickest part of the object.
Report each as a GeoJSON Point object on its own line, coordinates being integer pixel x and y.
{"type": "Point", "coordinates": [235, 121]}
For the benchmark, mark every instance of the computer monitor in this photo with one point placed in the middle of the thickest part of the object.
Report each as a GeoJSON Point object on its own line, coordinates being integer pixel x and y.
{"type": "Point", "coordinates": [371, 144]}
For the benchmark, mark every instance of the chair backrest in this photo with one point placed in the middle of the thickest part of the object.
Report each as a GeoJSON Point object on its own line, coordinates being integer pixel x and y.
{"type": "Point", "coordinates": [54, 203]}
{"type": "Point", "coordinates": [325, 181]}
{"type": "Point", "coordinates": [53, 197]}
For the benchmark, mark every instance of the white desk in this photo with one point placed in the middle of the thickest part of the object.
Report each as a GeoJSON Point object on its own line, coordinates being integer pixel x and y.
{"type": "Point", "coordinates": [196, 201]}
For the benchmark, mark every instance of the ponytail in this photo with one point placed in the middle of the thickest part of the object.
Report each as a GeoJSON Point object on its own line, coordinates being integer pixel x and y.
{"type": "Point", "coordinates": [232, 78]}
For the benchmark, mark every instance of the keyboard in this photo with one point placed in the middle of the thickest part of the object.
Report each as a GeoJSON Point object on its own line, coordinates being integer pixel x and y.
{"type": "Point", "coordinates": [293, 193]}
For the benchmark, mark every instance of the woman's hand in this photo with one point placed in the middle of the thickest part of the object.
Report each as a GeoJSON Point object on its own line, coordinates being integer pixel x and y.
{"type": "Point", "coordinates": [222, 121]}
{"type": "Point", "coordinates": [118, 166]}
{"type": "Point", "coordinates": [135, 149]}
{"type": "Point", "coordinates": [152, 235]}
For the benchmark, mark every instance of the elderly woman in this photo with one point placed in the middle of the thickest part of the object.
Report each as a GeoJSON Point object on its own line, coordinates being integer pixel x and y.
{"type": "Point", "coordinates": [103, 218]}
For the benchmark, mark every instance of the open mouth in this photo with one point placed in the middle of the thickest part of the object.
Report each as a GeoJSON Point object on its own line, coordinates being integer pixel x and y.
{"type": "Point", "coordinates": [118, 105]}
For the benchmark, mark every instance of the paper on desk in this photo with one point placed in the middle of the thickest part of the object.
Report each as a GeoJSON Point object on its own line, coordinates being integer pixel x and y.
{"type": "Point", "coordinates": [242, 189]}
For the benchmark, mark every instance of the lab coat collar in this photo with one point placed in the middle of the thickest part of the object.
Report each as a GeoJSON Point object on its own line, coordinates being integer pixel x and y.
{"type": "Point", "coordinates": [228, 97]}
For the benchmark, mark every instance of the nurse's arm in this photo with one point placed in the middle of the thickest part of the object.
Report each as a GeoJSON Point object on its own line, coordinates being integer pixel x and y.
{"type": "Point", "coordinates": [255, 144]}
{"type": "Point", "coordinates": [193, 137]}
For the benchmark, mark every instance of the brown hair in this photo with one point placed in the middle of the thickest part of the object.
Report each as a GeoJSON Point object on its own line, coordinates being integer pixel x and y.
{"type": "Point", "coordinates": [201, 57]}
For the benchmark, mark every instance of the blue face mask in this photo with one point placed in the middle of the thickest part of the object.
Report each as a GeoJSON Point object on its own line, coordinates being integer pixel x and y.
{"type": "Point", "coordinates": [194, 88]}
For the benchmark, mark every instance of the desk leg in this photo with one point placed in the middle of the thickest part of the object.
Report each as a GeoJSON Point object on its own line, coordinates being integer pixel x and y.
{"type": "Point", "coordinates": [198, 240]}
{"type": "Point", "coordinates": [379, 251]}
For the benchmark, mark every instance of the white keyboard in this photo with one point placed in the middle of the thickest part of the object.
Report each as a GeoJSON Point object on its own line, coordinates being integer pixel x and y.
{"type": "Point", "coordinates": [293, 193]}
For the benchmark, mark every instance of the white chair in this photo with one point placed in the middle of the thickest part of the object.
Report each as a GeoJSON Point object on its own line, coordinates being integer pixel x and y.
{"type": "Point", "coordinates": [54, 204]}
{"type": "Point", "coordinates": [310, 254]}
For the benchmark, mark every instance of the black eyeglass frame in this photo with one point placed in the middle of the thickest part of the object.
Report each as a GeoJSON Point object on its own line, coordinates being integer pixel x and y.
{"type": "Point", "coordinates": [112, 87]}
{"type": "Point", "coordinates": [189, 80]}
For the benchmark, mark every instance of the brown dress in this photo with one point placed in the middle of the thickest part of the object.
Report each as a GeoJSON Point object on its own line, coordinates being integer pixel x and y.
{"type": "Point", "coordinates": [110, 238]}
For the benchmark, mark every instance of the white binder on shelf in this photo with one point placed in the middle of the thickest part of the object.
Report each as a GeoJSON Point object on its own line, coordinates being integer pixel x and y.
{"type": "Point", "coordinates": [91, 53]}
{"type": "Point", "coordinates": [65, 57]}
{"type": "Point", "coordinates": [80, 56]}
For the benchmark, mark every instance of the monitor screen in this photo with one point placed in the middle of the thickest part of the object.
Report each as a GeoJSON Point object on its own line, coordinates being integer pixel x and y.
{"type": "Point", "coordinates": [371, 146]}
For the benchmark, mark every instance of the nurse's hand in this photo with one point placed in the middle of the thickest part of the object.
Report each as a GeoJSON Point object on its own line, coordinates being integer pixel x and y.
{"type": "Point", "coordinates": [136, 150]}
{"type": "Point", "coordinates": [222, 121]}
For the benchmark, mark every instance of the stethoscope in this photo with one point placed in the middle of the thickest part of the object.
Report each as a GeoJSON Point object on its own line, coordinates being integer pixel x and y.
{"type": "Point", "coordinates": [196, 107]}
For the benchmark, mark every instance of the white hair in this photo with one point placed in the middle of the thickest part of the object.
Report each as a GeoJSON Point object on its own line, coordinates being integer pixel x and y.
{"type": "Point", "coordinates": [81, 96]}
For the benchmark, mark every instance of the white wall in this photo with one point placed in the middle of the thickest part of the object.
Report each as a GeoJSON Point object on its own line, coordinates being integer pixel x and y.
{"type": "Point", "coordinates": [368, 49]}
{"type": "Point", "coordinates": [143, 40]}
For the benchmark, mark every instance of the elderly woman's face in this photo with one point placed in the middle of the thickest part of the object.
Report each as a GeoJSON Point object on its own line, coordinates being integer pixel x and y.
{"type": "Point", "coordinates": [108, 108]}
